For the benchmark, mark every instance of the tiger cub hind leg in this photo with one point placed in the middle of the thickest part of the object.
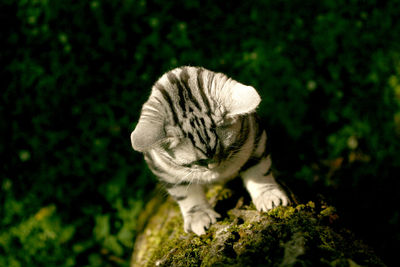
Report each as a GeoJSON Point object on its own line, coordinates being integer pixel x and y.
{"type": "Point", "coordinates": [196, 211]}
{"type": "Point", "coordinates": [262, 187]}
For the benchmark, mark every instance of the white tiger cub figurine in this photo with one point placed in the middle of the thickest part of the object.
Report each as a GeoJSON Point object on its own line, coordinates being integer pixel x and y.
{"type": "Point", "coordinates": [199, 127]}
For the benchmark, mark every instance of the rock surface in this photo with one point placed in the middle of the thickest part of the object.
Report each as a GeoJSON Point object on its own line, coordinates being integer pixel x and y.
{"type": "Point", "coordinates": [300, 235]}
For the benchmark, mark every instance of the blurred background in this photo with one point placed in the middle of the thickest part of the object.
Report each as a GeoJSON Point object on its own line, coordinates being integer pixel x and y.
{"type": "Point", "coordinates": [75, 73]}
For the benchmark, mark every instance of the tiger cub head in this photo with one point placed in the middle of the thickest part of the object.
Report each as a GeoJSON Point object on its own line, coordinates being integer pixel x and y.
{"type": "Point", "coordinates": [195, 117]}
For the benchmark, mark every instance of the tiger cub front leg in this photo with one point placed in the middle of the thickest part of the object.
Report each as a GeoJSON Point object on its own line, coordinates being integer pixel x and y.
{"type": "Point", "coordinates": [196, 211]}
{"type": "Point", "coordinates": [262, 187]}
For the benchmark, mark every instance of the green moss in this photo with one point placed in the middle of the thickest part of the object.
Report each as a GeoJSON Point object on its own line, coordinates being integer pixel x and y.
{"type": "Point", "coordinates": [285, 235]}
{"type": "Point", "coordinates": [282, 212]}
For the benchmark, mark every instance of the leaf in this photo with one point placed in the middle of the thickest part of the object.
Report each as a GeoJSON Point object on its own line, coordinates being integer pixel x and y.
{"type": "Point", "coordinates": [102, 226]}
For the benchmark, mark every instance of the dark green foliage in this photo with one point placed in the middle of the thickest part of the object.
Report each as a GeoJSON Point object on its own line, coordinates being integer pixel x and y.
{"type": "Point", "coordinates": [75, 73]}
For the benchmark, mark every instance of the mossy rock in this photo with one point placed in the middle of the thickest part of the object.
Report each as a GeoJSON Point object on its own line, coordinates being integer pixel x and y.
{"type": "Point", "coordinates": [300, 235]}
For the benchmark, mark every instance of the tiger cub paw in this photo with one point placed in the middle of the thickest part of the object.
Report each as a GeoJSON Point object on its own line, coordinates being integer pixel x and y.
{"type": "Point", "coordinates": [270, 199]}
{"type": "Point", "coordinates": [198, 220]}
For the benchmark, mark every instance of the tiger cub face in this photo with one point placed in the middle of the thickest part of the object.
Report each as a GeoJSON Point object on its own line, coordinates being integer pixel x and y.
{"type": "Point", "coordinates": [195, 119]}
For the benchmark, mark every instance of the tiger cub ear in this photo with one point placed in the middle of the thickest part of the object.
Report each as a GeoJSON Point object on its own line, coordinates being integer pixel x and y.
{"type": "Point", "coordinates": [146, 134]}
{"type": "Point", "coordinates": [243, 100]}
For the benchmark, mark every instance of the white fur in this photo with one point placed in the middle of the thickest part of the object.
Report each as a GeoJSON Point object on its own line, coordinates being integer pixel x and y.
{"type": "Point", "coordinates": [244, 99]}
{"type": "Point", "coordinates": [200, 220]}
{"type": "Point", "coordinates": [264, 191]}
{"type": "Point", "coordinates": [228, 100]}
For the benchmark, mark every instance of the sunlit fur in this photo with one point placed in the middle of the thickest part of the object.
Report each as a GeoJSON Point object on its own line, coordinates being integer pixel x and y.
{"type": "Point", "coordinates": [200, 127]}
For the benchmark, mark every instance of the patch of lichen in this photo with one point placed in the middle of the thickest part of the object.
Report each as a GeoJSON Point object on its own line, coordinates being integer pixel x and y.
{"type": "Point", "coordinates": [305, 234]}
